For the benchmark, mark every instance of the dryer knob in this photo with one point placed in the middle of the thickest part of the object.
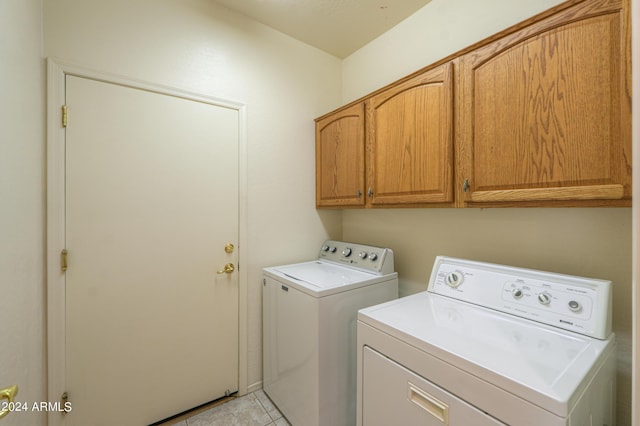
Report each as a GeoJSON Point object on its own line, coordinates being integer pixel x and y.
{"type": "Point", "coordinates": [454, 279]}
{"type": "Point", "coordinates": [363, 255]}
{"type": "Point", "coordinates": [325, 248]}
{"type": "Point", "coordinates": [544, 298]}
{"type": "Point", "coordinates": [346, 252]}
{"type": "Point", "coordinates": [373, 256]}
{"type": "Point", "coordinates": [575, 306]}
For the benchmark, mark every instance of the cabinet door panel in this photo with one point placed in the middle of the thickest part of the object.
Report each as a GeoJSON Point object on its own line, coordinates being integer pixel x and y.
{"type": "Point", "coordinates": [340, 159]}
{"type": "Point", "coordinates": [546, 115]}
{"type": "Point", "coordinates": [410, 141]}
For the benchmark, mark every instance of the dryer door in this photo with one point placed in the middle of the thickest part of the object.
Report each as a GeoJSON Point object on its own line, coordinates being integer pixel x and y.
{"type": "Point", "coordinates": [394, 395]}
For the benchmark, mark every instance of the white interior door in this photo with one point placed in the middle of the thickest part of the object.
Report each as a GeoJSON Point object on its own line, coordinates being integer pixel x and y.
{"type": "Point", "coordinates": [151, 202]}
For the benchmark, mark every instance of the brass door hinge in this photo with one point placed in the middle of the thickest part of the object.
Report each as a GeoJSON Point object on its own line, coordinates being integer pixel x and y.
{"type": "Point", "coordinates": [64, 403]}
{"type": "Point", "coordinates": [65, 116]}
{"type": "Point", "coordinates": [63, 260]}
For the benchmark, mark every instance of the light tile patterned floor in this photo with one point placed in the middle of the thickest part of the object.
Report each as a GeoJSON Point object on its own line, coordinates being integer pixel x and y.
{"type": "Point", "coordinates": [254, 409]}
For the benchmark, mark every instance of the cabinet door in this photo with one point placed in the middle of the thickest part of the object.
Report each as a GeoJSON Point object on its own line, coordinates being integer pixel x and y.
{"type": "Point", "coordinates": [545, 112]}
{"type": "Point", "coordinates": [340, 158]}
{"type": "Point", "coordinates": [410, 141]}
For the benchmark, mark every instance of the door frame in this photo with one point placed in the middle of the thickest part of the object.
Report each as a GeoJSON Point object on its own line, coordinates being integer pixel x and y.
{"type": "Point", "coordinates": [55, 280]}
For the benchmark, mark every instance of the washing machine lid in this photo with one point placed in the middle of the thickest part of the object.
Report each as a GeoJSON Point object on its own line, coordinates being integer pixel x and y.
{"type": "Point", "coordinates": [321, 278]}
{"type": "Point", "coordinates": [536, 362]}
{"type": "Point", "coordinates": [323, 275]}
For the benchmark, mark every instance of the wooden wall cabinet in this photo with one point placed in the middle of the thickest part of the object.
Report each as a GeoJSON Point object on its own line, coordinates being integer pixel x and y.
{"type": "Point", "coordinates": [544, 113]}
{"type": "Point", "coordinates": [406, 156]}
{"type": "Point", "coordinates": [537, 115]}
{"type": "Point", "coordinates": [410, 141]}
{"type": "Point", "coordinates": [340, 158]}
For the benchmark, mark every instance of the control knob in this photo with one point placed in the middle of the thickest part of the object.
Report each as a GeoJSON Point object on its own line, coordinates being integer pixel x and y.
{"type": "Point", "coordinates": [363, 255]}
{"type": "Point", "coordinates": [544, 298]}
{"type": "Point", "coordinates": [332, 249]}
{"type": "Point", "coordinates": [346, 252]}
{"type": "Point", "coordinates": [373, 256]}
{"type": "Point", "coordinates": [325, 248]}
{"type": "Point", "coordinates": [517, 293]}
{"type": "Point", "coordinates": [575, 306]}
{"type": "Point", "coordinates": [454, 279]}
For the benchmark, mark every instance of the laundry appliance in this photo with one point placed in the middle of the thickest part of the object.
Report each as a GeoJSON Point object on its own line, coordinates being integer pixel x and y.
{"type": "Point", "coordinates": [489, 344]}
{"type": "Point", "coordinates": [309, 329]}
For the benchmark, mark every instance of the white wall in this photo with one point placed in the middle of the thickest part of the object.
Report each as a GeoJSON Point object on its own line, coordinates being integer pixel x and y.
{"type": "Point", "coordinates": [593, 242]}
{"type": "Point", "coordinates": [21, 205]}
{"type": "Point", "coordinates": [437, 30]}
{"type": "Point", "coordinates": [201, 47]}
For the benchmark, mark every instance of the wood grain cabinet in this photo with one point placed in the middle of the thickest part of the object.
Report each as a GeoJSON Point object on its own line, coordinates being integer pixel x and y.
{"type": "Point", "coordinates": [545, 113]}
{"type": "Point", "coordinates": [537, 115]}
{"type": "Point", "coordinates": [410, 141]}
{"type": "Point", "coordinates": [402, 154]}
{"type": "Point", "coordinates": [340, 158]}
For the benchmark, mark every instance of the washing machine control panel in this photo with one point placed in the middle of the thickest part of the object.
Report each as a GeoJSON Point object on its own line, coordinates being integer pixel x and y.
{"type": "Point", "coordinates": [582, 305]}
{"type": "Point", "coordinates": [377, 260]}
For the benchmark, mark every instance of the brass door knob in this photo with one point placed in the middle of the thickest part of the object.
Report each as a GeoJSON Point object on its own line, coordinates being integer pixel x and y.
{"type": "Point", "coordinates": [228, 268]}
{"type": "Point", "coordinates": [8, 394]}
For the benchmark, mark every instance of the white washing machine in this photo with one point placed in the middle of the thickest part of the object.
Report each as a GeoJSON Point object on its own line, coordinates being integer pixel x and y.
{"type": "Point", "coordinates": [489, 345]}
{"type": "Point", "coordinates": [309, 329]}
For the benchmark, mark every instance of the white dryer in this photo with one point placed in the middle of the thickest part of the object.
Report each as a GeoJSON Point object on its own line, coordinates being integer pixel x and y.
{"type": "Point", "coordinates": [489, 344]}
{"type": "Point", "coordinates": [309, 329]}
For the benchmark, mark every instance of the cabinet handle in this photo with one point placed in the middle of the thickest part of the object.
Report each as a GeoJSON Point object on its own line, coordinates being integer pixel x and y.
{"type": "Point", "coordinates": [465, 185]}
{"type": "Point", "coordinates": [370, 192]}
{"type": "Point", "coordinates": [358, 193]}
{"type": "Point", "coordinates": [429, 403]}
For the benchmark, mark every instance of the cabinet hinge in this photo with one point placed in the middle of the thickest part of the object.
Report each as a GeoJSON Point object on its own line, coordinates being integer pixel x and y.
{"type": "Point", "coordinates": [63, 260]}
{"type": "Point", "coordinates": [65, 116]}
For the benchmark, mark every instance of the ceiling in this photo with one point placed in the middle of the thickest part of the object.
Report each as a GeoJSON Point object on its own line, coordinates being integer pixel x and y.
{"type": "Point", "coordinates": [339, 27]}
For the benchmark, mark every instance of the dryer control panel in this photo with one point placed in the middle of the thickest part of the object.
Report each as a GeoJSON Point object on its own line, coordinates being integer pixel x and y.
{"type": "Point", "coordinates": [368, 258]}
{"type": "Point", "coordinates": [577, 304]}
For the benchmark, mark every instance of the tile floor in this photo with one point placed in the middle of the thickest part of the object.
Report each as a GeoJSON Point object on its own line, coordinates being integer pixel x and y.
{"type": "Point", "coordinates": [254, 409]}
